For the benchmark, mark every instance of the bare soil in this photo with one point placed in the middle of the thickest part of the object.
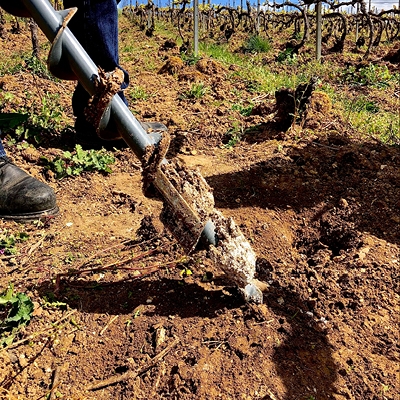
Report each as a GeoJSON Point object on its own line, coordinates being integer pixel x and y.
{"type": "Point", "coordinates": [320, 207]}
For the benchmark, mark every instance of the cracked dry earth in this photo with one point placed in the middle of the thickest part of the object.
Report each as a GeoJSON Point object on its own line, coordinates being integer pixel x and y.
{"type": "Point", "coordinates": [322, 214]}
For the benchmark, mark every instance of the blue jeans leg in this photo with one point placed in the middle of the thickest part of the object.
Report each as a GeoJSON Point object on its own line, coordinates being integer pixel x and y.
{"type": "Point", "coordinates": [2, 151]}
{"type": "Point", "coordinates": [95, 25]}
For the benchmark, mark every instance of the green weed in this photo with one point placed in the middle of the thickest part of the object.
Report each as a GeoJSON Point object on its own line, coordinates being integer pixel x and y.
{"type": "Point", "coordinates": [287, 56]}
{"type": "Point", "coordinates": [50, 301]}
{"type": "Point", "coordinates": [8, 242]}
{"type": "Point", "coordinates": [371, 75]}
{"type": "Point", "coordinates": [73, 164]}
{"type": "Point", "coordinates": [26, 62]}
{"type": "Point", "coordinates": [385, 389]}
{"type": "Point", "coordinates": [382, 125]}
{"type": "Point", "coordinates": [196, 91]}
{"type": "Point", "coordinates": [37, 67]}
{"type": "Point", "coordinates": [391, 133]}
{"type": "Point", "coordinates": [257, 44]}
{"type": "Point", "coordinates": [11, 121]}
{"type": "Point", "coordinates": [138, 93]}
{"type": "Point", "coordinates": [243, 110]}
{"type": "Point", "coordinates": [5, 98]}
{"type": "Point", "coordinates": [361, 104]}
{"type": "Point", "coordinates": [233, 136]}
{"type": "Point", "coordinates": [34, 121]}
{"type": "Point", "coordinates": [220, 53]}
{"type": "Point", "coordinates": [15, 313]}
{"type": "Point", "coordinates": [190, 59]}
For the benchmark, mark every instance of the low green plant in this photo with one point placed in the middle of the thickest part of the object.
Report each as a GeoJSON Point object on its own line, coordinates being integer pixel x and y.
{"type": "Point", "coordinates": [221, 53]}
{"type": "Point", "coordinates": [233, 136]}
{"type": "Point", "coordinates": [8, 242]}
{"type": "Point", "coordinates": [26, 62]}
{"type": "Point", "coordinates": [385, 389]}
{"type": "Point", "coordinates": [36, 67]}
{"type": "Point", "coordinates": [360, 104]}
{"type": "Point", "coordinates": [243, 110]}
{"type": "Point", "coordinates": [185, 272]}
{"type": "Point", "coordinates": [16, 311]}
{"type": "Point", "coordinates": [138, 93]}
{"type": "Point", "coordinates": [296, 35]}
{"type": "Point", "coordinates": [391, 134]}
{"type": "Point", "coordinates": [50, 301]}
{"type": "Point", "coordinates": [5, 98]}
{"type": "Point", "coordinates": [252, 85]}
{"type": "Point", "coordinates": [190, 59]}
{"type": "Point", "coordinates": [257, 44]}
{"type": "Point", "coordinates": [366, 116]}
{"type": "Point", "coordinates": [287, 56]}
{"type": "Point", "coordinates": [35, 120]}
{"type": "Point", "coordinates": [73, 164]}
{"type": "Point", "coordinates": [371, 75]}
{"type": "Point", "coordinates": [196, 91]}
{"type": "Point", "coordinates": [11, 121]}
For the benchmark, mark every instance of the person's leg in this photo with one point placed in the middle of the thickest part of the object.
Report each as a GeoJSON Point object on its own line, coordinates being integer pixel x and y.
{"type": "Point", "coordinates": [2, 151]}
{"type": "Point", "coordinates": [95, 25]}
{"type": "Point", "coordinates": [23, 197]}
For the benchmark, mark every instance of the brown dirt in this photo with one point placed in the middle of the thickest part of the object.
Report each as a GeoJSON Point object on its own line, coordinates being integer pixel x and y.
{"type": "Point", "coordinates": [322, 212]}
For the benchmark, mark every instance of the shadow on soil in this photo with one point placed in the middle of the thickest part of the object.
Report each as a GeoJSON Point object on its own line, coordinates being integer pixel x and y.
{"type": "Point", "coordinates": [303, 354]}
{"type": "Point", "coordinates": [303, 357]}
{"type": "Point", "coordinates": [324, 173]}
{"type": "Point", "coordinates": [163, 297]}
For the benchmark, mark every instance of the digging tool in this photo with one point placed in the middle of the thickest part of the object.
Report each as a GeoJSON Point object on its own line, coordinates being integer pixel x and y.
{"type": "Point", "coordinates": [188, 210]}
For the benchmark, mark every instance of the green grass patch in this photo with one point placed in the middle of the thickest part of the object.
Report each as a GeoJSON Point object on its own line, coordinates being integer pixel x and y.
{"type": "Point", "coordinates": [257, 44]}
{"type": "Point", "coordinates": [196, 91]}
{"type": "Point", "coordinates": [370, 75]}
{"type": "Point", "coordinates": [243, 110]}
{"type": "Point", "coordinates": [23, 62]}
{"type": "Point", "coordinates": [137, 93]}
{"type": "Point", "coordinates": [221, 53]}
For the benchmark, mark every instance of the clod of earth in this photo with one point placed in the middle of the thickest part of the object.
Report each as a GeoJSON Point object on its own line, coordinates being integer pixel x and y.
{"type": "Point", "coordinates": [235, 256]}
{"type": "Point", "coordinates": [232, 252]}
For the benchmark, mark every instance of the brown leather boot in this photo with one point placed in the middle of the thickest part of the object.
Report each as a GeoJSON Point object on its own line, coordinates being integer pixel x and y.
{"type": "Point", "coordinates": [22, 197]}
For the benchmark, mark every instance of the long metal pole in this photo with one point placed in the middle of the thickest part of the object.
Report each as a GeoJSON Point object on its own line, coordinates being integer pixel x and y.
{"type": "Point", "coordinates": [319, 30]}
{"type": "Point", "coordinates": [196, 27]}
{"type": "Point", "coordinates": [357, 27]}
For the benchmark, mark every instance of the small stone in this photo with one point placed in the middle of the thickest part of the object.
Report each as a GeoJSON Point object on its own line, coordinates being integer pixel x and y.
{"type": "Point", "coordinates": [343, 203]}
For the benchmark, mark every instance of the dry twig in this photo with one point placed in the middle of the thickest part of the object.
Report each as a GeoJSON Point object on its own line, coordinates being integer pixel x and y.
{"type": "Point", "coordinates": [134, 374]}
{"type": "Point", "coordinates": [140, 272]}
{"type": "Point", "coordinates": [55, 383]}
{"type": "Point", "coordinates": [108, 324]}
{"type": "Point", "coordinates": [30, 252]}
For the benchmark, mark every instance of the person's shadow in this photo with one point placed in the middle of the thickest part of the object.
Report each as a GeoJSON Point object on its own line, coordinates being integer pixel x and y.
{"type": "Point", "coordinates": [303, 356]}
